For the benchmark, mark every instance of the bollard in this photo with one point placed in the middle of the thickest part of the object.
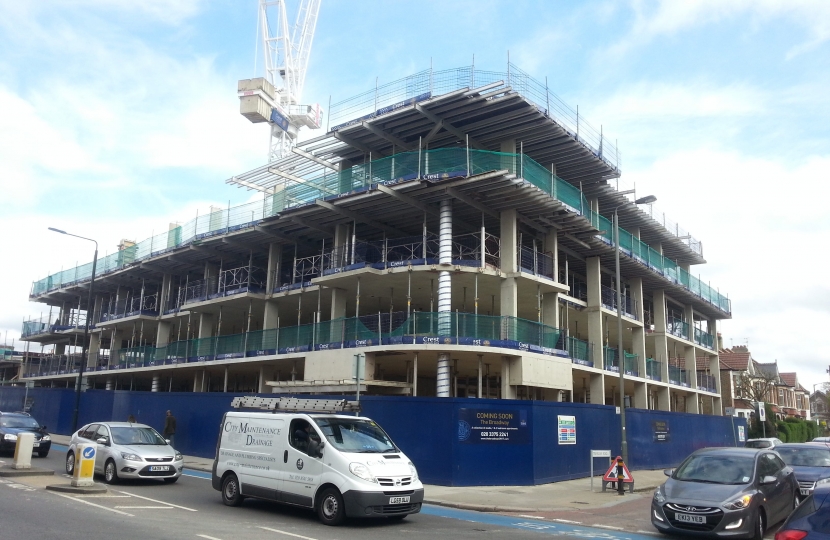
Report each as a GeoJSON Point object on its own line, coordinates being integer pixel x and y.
{"type": "Point", "coordinates": [23, 450]}
{"type": "Point", "coordinates": [84, 465]}
{"type": "Point", "coordinates": [620, 477]}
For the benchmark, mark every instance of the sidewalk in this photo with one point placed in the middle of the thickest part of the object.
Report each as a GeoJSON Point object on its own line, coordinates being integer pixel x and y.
{"type": "Point", "coordinates": [566, 495]}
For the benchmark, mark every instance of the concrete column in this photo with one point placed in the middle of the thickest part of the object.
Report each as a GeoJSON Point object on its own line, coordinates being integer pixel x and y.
{"type": "Point", "coordinates": [640, 397]}
{"type": "Point", "coordinates": [689, 313]}
{"type": "Point", "coordinates": [444, 297]}
{"type": "Point", "coordinates": [552, 247]}
{"type": "Point", "coordinates": [274, 260]}
{"type": "Point", "coordinates": [163, 335]}
{"type": "Point", "coordinates": [550, 309]}
{"type": "Point", "coordinates": [96, 311]}
{"type": "Point", "coordinates": [692, 405]}
{"type": "Point", "coordinates": [691, 365]}
{"type": "Point", "coordinates": [638, 334]}
{"type": "Point", "coordinates": [714, 362]}
{"type": "Point", "coordinates": [94, 349]}
{"type": "Point", "coordinates": [661, 342]}
{"type": "Point", "coordinates": [596, 335]}
{"type": "Point", "coordinates": [115, 346]}
{"type": "Point", "coordinates": [509, 162]}
{"type": "Point", "coordinates": [164, 298]}
{"type": "Point", "coordinates": [597, 387]}
{"type": "Point", "coordinates": [205, 325]}
{"type": "Point", "coordinates": [509, 263]}
{"type": "Point", "coordinates": [663, 398]}
{"type": "Point", "coordinates": [507, 391]}
{"type": "Point", "coordinates": [261, 388]}
{"type": "Point", "coordinates": [272, 315]}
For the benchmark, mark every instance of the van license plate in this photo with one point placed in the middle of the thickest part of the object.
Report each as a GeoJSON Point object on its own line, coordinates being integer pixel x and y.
{"type": "Point", "coordinates": [689, 518]}
{"type": "Point", "coordinates": [398, 500]}
{"type": "Point", "coordinates": [154, 468]}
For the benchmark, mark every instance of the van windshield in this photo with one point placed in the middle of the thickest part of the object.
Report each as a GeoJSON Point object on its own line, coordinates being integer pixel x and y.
{"type": "Point", "coordinates": [355, 435]}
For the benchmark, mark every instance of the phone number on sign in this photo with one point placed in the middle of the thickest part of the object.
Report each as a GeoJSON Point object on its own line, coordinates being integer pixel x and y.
{"type": "Point", "coordinates": [490, 434]}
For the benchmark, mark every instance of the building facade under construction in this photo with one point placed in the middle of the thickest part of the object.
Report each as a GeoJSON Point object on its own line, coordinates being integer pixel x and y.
{"type": "Point", "coordinates": [449, 235]}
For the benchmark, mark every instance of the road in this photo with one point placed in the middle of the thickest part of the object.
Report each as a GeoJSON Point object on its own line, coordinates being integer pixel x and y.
{"type": "Point", "coordinates": [191, 509]}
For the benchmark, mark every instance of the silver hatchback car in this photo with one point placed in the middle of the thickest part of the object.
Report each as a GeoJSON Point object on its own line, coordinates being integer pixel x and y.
{"type": "Point", "coordinates": [126, 450]}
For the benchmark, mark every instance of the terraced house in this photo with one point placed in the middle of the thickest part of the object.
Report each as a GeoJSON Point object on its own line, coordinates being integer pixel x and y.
{"type": "Point", "coordinates": [451, 234]}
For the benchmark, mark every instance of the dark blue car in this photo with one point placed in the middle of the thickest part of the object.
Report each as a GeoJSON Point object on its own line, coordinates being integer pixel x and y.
{"type": "Point", "coordinates": [811, 520]}
{"type": "Point", "coordinates": [810, 462]}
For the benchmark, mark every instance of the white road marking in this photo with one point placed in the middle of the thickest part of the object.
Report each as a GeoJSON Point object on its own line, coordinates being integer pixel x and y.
{"type": "Point", "coordinates": [148, 507]}
{"type": "Point", "coordinates": [160, 502]}
{"type": "Point", "coordinates": [103, 496]}
{"type": "Point", "coordinates": [608, 527]}
{"type": "Point", "coordinates": [206, 537]}
{"type": "Point", "coordinates": [288, 533]}
{"type": "Point", "coordinates": [568, 521]}
{"type": "Point", "coordinates": [531, 517]}
{"type": "Point", "coordinates": [70, 497]}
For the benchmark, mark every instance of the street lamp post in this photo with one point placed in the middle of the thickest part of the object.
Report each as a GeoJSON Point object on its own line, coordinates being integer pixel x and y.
{"type": "Point", "coordinates": [89, 313]}
{"type": "Point", "coordinates": [648, 199]}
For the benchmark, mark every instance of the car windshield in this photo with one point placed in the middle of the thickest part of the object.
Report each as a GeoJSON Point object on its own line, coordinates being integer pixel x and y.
{"type": "Point", "coordinates": [355, 435]}
{"type": "Point", "coordinates": [18, 422]}
{"type": "Point", "coordinates": [136, 435]}
{"type": "Point", "coordinates": [713, 469]}
{"type": "Point", "coordinates": [805, 457]}
{"type": "Point", "coordinates": [758, 444]}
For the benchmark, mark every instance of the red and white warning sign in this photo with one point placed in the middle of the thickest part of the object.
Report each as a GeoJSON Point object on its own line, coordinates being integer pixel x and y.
{"type": "Point", "coordinates": [611, 474]}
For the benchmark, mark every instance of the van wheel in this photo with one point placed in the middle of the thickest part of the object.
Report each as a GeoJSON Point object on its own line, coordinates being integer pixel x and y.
{"type": "Point", "coordinates": [110, 472]}
{"type": "Point", "coordinates": [331, 509]}
{"type": "Point", "coordinates": [70, 463]}
{"type": "Point", "coordinates": [231, 495]}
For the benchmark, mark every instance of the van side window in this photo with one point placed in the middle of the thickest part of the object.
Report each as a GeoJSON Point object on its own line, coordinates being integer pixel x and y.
{"type": "Point", "coordinates": [303, 437]}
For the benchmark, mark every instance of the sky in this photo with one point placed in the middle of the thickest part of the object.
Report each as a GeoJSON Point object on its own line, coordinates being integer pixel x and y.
{"type": "Point", "coordinates": [117, 118]}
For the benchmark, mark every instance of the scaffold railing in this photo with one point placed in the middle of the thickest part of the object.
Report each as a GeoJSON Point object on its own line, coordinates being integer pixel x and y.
{"type": "Point", "coordinates": [432, 83]}
{"type": "Point", "coordinates": [438, 163]}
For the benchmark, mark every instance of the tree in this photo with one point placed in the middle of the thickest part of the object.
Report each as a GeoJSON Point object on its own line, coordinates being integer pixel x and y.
{"type": "Point", "coordinates": [756, 387]}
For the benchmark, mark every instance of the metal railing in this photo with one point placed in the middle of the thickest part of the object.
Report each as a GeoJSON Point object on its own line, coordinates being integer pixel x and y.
{"type": "Point", "coordinates": [609, 300]}
{"type": "Point", "coordinates": [678, 376]}
{"type": "Point", "coordinates": [539, 263]}
{"type": "Point", "coordinates": [704, 339]}
{"type": "Point", "coordinates": [707, 382]}
{"type": "Point", "coordinates": [429, 83]}
{"type": "Point", "coordinates": [446, 161]}
{"type": "Point", "coordinates": [653, 369]}
{"type": "Point", "coordinates": [677, 327]}
{"type": "Point", "coordinates": [612, 361]}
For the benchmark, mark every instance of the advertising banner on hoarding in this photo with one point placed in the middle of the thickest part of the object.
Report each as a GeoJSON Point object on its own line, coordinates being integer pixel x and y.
{"type": "Point", "coordinates": [486, 426]}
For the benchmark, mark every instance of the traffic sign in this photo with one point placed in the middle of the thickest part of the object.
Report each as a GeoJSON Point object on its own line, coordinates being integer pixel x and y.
{"type": "Point", "coordinates": [611, 474]}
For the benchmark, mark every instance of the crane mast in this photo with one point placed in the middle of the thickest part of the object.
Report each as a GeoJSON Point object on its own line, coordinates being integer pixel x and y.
{"type": "Point", "coordinates": [276, 98]}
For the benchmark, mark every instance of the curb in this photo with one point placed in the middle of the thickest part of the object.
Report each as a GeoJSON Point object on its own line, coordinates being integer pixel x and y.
{"type": "Point", "coordinates": [483, 507]}
{"type": "Point", "coordinates": [69, 488]}
{"type": "Point", "coordinates": [11, 472]}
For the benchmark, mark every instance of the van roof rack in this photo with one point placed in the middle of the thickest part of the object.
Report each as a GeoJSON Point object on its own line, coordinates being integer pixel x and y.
{"type": "Point", "coordinates": [284, 404]}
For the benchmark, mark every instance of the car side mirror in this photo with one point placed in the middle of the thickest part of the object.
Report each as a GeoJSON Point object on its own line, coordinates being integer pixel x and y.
{"type": "Point", "coordinates": [167, 441]}
{"type": "Point", "coordinates": [768, 480]}
{"type": "Point", "coordinates": [668, 472]}
{"type": "Point", "coordinates": [103, 440]}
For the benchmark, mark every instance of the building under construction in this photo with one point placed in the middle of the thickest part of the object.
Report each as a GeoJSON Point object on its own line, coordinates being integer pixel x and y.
{"type": "Point", "coordinates": [450, 235]}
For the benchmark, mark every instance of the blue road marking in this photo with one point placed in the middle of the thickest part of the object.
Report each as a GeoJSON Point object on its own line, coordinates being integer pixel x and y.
{"type": "Point", "coordinates": [548, 527]}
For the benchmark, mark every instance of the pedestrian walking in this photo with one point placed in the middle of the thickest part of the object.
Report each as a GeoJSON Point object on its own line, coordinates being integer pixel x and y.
{"type": "Point", "coordinates": [170, 428]}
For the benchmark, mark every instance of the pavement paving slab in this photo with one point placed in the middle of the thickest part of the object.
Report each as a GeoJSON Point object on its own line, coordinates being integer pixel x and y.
{"type": "Point", "coordinates": [8, 471]}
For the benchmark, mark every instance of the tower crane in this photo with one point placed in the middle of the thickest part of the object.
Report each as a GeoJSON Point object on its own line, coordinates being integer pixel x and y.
{"type": "Point", "coordinates": [276, 98]}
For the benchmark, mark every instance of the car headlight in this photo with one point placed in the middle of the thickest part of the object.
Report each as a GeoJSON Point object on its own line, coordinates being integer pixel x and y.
{"type": "Point", "coordinates": [413, 470]}
{"type": "Point", "coordinates": [131, 457]}
{"type": "Point", "coordinates": [361, 471]}
{"type": "Point", "coordinates": [46, 438]}
{"type": "Point", "coordinates": [178, 456]}
{"type": "Point", "coordinates": [823, 481]}
{"type": "Point", "coordinates": [659, 498]}
{"type": "Point", "coordinates": [736, 504]}
{"type": "Point", "coordinates": [10, 437]}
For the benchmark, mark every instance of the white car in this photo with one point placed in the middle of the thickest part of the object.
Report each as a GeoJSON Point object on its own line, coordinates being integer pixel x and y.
{"type": "Point", "coordinates": [126, 450]}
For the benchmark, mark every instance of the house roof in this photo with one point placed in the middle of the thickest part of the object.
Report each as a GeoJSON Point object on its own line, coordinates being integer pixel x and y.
{"type": "Point", "coordinates": [770, 369]}
{"type": "Point", "coordinates": [790, 379]}
{"type": "Point", "coordinates": [736, 358]}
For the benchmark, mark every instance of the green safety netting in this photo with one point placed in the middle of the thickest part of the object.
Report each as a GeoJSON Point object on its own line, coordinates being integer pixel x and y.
{"type": "Point", "coordinates": [441, 161]}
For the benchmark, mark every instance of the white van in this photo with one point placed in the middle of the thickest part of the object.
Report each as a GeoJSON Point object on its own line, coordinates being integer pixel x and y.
{"type": "Point", "coordinates": [336, 464]}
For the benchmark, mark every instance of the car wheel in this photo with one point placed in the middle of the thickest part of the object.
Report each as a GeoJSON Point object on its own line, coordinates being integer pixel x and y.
{"type": "Point", "coordinates": [110, 472]}
{"type": "Point", "coordinates": [231, 494]}
{"type": "Point", "coordinates": [70, 463]}
{"type": "Point", "coordinates": [758, 530]}
{"type": "Point", "coordinates": [171, 480]}
{"type": "Point", "coordinates": [330, 509]}
{"type": "Point", "coordinates": [43, 453]}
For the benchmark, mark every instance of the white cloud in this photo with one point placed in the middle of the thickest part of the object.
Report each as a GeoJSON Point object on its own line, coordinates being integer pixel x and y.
{"type": "Point", "coordinates": [669, 17]}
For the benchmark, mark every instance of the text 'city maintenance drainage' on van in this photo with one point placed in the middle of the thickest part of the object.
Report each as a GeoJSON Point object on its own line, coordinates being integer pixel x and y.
{"type": "Point", "coordinates": [303, 453]}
